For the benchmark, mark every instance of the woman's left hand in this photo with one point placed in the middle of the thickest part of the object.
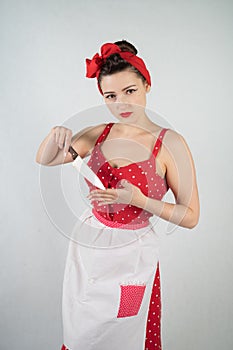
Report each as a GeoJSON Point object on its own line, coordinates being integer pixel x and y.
{"type": "Point", "coordinates": [127, 194]}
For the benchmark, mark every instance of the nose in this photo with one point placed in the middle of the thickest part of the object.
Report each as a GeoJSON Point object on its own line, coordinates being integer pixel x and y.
{"type": "Point", "coordinates": [122, 102]}
{"type": "Point", "coordinates": [121, 98]}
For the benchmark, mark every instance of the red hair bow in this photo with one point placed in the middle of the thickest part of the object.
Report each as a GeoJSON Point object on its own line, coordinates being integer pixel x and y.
{"type": "Point", "coordinates": [94, 65]}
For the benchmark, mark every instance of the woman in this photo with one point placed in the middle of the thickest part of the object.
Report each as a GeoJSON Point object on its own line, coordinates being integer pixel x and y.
{"type": "Point", "coordinates": [111, 297]}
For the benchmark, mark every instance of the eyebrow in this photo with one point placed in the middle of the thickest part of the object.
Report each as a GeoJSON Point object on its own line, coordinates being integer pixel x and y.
{"type": "Point", "coordinates": [111, 92]}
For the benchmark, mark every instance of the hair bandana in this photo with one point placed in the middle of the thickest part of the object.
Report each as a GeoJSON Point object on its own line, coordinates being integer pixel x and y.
{"type": "Point", "coordinates": [93, 66]}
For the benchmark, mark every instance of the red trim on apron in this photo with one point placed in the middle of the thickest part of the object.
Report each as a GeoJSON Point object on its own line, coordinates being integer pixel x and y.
{"type": "Point", "coordinates": [118, 224]}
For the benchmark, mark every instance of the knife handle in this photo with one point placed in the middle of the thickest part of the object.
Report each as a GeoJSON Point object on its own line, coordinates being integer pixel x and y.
{"type": "Point", "coordinates": [74, 154]}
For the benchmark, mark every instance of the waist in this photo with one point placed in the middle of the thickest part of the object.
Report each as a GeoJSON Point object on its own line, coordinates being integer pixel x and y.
{"type": "Point", "coordinates": [116, 224]}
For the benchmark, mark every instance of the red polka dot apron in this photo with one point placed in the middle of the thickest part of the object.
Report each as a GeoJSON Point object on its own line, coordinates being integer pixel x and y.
{"type": "Point", "coordinates": [111, 287]}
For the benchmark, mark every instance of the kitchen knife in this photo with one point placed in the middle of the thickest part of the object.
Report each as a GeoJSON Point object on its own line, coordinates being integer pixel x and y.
{"type": "Point", "coordinates": [85, 170]}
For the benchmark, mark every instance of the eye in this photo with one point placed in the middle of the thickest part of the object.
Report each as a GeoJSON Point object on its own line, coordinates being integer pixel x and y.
{"type": "Point", "coordinates": [109, 97]}
{"type": "Point", "coordinates": [130, 91]}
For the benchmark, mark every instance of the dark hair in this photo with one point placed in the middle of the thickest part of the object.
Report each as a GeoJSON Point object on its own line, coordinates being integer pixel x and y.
{"type": "Point", "coordinates": [114, 63]}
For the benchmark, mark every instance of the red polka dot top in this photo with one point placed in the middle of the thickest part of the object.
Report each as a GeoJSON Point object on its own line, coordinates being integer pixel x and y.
{"type": "Point", "coordinates": [141, 174]}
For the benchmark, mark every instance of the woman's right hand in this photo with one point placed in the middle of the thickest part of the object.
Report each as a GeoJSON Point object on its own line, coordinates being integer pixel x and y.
{"type": "Point", "coordinates": [54, 149]}
{"type": "Point", "coordinates": [62, 136]}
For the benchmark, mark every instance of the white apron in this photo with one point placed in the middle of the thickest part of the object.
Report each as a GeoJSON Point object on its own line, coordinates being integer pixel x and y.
{"type": "Point", "coordinates": [107, 286]}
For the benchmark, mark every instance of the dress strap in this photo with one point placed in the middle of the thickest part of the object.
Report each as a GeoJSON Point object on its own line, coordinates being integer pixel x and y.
{"type": "Point", "coordinates": [159, 141]}
{"type": "Point", "coordinates": [104, 134]}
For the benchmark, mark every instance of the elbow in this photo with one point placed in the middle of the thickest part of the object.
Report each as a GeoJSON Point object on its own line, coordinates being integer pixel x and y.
{"type": "Point", "coordinates": [38, 161]}
{"type": "Point", "coordinates": [192, 225]}
{"type": "Point", "coordinates": [38, 158]}
{"type": "Point", "coordinates": [190, 219]}
{"type": "Point", "coordinates": [193, 221]}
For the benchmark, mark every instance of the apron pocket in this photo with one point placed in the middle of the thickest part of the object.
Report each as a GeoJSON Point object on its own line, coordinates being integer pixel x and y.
{"type": "Point", "coordinates": [131, 299]}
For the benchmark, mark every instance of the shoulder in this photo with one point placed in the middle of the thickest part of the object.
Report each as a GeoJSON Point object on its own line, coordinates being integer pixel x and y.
{"type": "Point", "coordinates": [173, 137]}
{"type": "Point", "coordinates": [89, 133]}
{"type": "Point", "coordinates": [84, 140]}
{"type": "Point", "coordinates": [175, 144]}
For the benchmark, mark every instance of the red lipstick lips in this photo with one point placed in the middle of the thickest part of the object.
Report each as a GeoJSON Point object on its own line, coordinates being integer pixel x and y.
{"type": "Point", "coordinates": [126, 114]}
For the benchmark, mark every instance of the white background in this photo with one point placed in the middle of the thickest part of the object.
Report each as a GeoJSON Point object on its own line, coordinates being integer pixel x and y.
{"type": "Point", "coordinates": [187, 46]}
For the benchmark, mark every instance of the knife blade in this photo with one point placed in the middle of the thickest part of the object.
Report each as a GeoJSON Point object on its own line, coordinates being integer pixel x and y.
{"type": "Point", "coordinates": [85, 170]}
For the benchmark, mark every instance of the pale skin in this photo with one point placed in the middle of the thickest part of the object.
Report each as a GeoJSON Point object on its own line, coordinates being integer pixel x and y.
{"type": "Point", "coordinates": [135, 135]}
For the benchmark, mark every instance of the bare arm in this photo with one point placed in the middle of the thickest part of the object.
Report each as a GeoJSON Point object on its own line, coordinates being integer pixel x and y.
{"type": "Point", "coordinates": [181, 178]}
{"type": "Point", "coordinates": [54, 148]}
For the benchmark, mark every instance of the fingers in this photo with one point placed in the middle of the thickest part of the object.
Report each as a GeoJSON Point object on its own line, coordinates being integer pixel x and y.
{"type": "Point", "coordinates": [62, 137]}
{"type": "Point", "coordinates": [101, 195]}
{"type": "Point", "coordinates": [108, 191]}
{"type": "Point", "coordinates": [55, 133]}
{"type": "Point", "coordinates": [68, 138]}
{"type": "Point", "coordinates": [103, 201]}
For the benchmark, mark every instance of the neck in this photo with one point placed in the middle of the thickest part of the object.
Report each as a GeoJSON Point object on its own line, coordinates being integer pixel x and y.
{"type": "Point", "coordinates": [142, 123]}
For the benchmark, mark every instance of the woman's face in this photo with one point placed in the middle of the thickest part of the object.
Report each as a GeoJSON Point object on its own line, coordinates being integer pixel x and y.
{"type": "Point", "coordinates": [125, 95]}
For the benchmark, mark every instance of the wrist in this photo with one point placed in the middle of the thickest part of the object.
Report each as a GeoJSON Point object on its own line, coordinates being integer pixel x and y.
{"type": "Point", "coordinates": [139, 200]}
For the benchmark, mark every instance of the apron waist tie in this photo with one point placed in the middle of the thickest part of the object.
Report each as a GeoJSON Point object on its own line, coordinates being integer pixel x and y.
{"type": "Point", "coordinates": [116, 224]}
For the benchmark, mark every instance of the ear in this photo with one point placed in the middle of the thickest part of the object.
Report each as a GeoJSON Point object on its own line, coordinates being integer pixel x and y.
{"type": "Point", "coordinates": [147, 87]}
